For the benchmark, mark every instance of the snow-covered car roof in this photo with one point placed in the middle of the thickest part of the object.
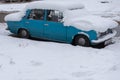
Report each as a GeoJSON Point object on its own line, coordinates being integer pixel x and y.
{"type": "Point", "coordinates": [56, 5]}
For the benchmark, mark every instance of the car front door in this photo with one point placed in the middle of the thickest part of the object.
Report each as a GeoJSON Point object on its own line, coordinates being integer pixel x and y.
{"type": "Point", "coordinates": [35, 22]}
{"type": "Point", "coordinates": [53, 27]}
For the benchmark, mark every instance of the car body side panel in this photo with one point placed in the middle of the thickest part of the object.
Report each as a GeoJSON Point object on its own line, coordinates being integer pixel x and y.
{"type": "Point", "coordinates": [72, 32]}
{"type": "Point", "coordinates": [54, 31]}
{"type": "Point", "coordinates": [13, 26]}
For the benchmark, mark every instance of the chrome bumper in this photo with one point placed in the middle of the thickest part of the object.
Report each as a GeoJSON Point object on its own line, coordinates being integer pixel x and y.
{"type": "Point", "coordinates": [104, 38]}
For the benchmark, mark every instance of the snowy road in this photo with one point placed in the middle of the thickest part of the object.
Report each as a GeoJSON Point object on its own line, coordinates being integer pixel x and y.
{"type": "Point", "coordinates": [24, 59]}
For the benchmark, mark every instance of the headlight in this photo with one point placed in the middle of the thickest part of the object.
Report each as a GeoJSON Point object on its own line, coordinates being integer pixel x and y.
{"type": "Point", "coordinates": [110, 31]}
{"type": "Point", "coordinates": [100, 34]}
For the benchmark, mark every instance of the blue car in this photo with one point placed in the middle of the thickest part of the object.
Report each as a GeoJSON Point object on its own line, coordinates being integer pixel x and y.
{"type": "Point", "coordinates": [47, 20]}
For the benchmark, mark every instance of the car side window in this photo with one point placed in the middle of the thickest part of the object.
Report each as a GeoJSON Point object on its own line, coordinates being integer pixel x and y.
{"type": "Point", "coordinates": [36, 14]}
{"type": "Point", "coordinates": [54, 15]}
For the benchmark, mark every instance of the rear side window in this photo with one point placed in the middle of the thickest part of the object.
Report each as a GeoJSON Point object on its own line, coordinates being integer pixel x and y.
{"type": "Point", "coordinates": [37, 14]}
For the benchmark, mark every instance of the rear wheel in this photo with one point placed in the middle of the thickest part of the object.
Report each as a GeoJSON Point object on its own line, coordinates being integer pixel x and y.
{"type": "Point", "coordinates": [81, 40]}
{"type": "Point", "coordinates": [23, 33]}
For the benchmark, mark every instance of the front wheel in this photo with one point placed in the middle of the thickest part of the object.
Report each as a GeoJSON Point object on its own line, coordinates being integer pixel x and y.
{"type": "Point", "coordinates": [23, 33]}
{"type": "Point", "coordinates": [81, 40]}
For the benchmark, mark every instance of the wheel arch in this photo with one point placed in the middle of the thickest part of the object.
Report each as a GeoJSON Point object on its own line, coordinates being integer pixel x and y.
{"type": "Point", "coordinates": [79, 34]}
{"type": "Point", "coordinates": [25, 36]}
{"type": "Point", "coordinates": [22, 29]}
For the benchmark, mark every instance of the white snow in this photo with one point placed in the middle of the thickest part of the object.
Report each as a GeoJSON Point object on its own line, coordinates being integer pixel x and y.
{"type": "Point", "coordinates": [54, 5]}
{"type": "Point", "coordinates": [25, 59]}
{"type": "Point", "coordinates": [12, 7]}
{"type": "Point", "coordinates": [83, 20]}
{"type": "Point", "coordinates": [14, 16]}
{"type": "Point", "coordinates": [110, 9]}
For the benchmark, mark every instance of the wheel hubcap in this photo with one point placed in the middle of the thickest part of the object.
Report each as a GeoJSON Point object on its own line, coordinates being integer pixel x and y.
{"type": "Point", "coordinates": [23, 33]}
{"type": "Point", "coordinates": [81, 41]}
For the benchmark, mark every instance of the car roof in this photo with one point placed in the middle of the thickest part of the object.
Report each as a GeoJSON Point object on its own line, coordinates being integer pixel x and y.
{"type": "Point", "coordinates": [55, 5]}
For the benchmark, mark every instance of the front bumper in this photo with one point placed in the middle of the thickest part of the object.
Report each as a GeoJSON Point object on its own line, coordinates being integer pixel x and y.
{"type": "Point", "coordinates": [105, 38]}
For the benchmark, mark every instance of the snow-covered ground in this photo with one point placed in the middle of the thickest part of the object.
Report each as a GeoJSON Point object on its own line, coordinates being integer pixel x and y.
{"type": "Point", "coordinates": [25, 59]}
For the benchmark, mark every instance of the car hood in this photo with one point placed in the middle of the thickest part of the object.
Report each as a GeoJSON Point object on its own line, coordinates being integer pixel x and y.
{"type": "Point", "coordinates": [88, 22]}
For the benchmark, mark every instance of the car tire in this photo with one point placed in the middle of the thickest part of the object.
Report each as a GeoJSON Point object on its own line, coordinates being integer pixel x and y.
{"type": "Point", "coordinates": [82, 40]}
{"type": "Point", "coordinates": [23, 33]}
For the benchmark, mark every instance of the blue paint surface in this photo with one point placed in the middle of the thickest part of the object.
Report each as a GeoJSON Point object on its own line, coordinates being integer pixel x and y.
{"type": "Point", "coordinates": [50, 30]}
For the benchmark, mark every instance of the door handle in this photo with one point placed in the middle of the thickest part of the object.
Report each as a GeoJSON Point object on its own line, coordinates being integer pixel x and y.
{"type": "Point", "coordinates": [27, 22]}
{"type": "Point", "coordinates": [45, 24]}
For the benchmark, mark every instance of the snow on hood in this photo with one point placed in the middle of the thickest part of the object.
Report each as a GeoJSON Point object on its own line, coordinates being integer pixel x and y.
{"type": "Point", "coordinates": [85, 21]}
